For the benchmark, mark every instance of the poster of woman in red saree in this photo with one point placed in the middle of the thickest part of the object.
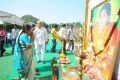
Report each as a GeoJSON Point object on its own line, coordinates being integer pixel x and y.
{"type": "Point", "coordinates": [104, 40]}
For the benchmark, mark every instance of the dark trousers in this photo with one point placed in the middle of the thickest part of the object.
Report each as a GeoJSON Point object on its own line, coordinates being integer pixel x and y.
{"type": "Point", "coordinates": [8, 41]}
{"type": "Point", "coordinates": [71, 44]}
{"type": "Point", "coordinates": [64, 47]}
{"type": "Point", "coordinates": [2, 50]}
{"type": "Point", "coordinates": [54, 45]}
{"type": "Point", "coordinates": [13, 44]}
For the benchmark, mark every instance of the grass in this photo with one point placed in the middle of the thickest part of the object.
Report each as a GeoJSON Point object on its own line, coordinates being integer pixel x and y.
{"type": "Point", "coordinates": [6, 62]}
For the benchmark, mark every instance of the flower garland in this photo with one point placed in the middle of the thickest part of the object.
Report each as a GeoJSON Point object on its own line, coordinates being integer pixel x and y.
{"type": "Point", "coordinates": [106, 42]}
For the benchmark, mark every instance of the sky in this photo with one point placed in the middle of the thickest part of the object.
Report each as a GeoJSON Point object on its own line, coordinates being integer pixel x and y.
{"type": "Point", "coordinates": [50, 11]}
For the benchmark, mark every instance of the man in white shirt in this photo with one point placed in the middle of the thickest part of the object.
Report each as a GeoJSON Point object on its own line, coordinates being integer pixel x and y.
{"type": "Point", "coordinates": [40, 39]}
{"type": "Point", "coordinates": [8, 38]}
{"type": "Point", "coordinates": [63, 37]}
{"type": "Point", "coordinates": [14, 34]}
{"type": "Point", "coordinates": [71, 39]}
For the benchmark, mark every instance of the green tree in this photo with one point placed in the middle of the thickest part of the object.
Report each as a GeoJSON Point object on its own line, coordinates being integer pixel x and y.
{"type": "Point", "coordinates": [9, 27]}
{"type": "Point", "coordinates": [44, 24]}
{"type": "Point", "coordinates": [55, 25]}
{"type": "Point", "coordinates": [29, 18]}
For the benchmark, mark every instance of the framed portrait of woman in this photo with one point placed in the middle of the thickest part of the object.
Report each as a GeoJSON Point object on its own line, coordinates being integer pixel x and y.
{"type": "Point", "coordinates": [104, 36]}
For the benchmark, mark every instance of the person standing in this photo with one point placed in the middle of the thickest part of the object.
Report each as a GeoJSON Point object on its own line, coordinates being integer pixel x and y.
{"type": "Point", "coordinates": [23, 54]}
{"type": "Point", "coordinates": [54, 37]}
{"type": "Point", "coordinates": [71, 37]}
{"type": "Point", "coordinates": [40, 40]}
{"type": "Point", "coordinates": [8, 38]}
{"type": "Point", "coordinates": [63, 36]}
{"type": "Point", "coordinates": [2, 40]}
{"type": "Point", "coordinates": [46, 27]}
{"type": "Point", "coordinates": [14, 34]}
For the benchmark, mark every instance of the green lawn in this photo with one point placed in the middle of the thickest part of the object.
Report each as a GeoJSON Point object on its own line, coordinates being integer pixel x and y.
{"type": "Point", "coordinates": [6, 71]}
{"type": "Point", "coordinates": [6, 62]}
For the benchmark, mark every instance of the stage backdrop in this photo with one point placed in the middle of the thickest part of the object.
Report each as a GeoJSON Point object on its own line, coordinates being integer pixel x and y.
{"type": "Point", "coordinates": [104, 37]}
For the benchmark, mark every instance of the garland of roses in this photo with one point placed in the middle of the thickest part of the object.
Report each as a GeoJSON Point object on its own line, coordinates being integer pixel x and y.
{"type": "Point", "coordinates": [106, 42]}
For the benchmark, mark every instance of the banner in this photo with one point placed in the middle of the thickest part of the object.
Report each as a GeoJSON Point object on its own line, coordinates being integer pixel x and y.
{"type": "Point", "coordinates": [104, 37]}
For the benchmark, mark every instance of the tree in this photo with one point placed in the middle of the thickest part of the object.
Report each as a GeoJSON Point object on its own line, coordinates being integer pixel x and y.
{"type": "Point", "coordinates": [29, 18]}
{"type": "Point", "coordinates": [79, 24]}
{"type": "Point", "coordinates": [44, 24]}
{"type": "Point", "coordinates": [55, 25]}
{"type": "Point", "coordinates": [9, 27]}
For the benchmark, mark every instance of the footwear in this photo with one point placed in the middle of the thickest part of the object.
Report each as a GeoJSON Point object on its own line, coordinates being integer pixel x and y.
{"type": "Point", "coordinates": [43, 62]}
{"type": "Point", "coordinates": [15, 79]}
{"type": "Point", "coordinates": [20, 71]}
{"type": "Point", "coordinates": [53, 51]}
{"type": "Point", "coordinates": [1, 55]}
{"type": "Point", "coordinates": [37, 73]}
{"type": "Point", "coordinates": [2, 52]}
{"type": "Point", "coordinates": [38, 61]}
{"type": "Point", "coordinates": [59, 52]}
{"type": "Point", "coordinates": [23, 79]}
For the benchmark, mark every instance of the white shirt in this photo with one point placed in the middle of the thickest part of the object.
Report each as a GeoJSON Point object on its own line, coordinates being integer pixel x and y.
{"type": "Point", "coordinates": [71, 34]}
{"type": "Point", "coordinates": [8, 35]}
{"type": "Point", "coordinates": [40, 35]}
{"type": "Point", "coordinates": [14, 33]}
{"type": "Point", "coordinates": [62, 33]}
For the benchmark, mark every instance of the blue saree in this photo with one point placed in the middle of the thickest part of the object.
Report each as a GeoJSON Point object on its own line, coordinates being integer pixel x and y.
{"type": "Point", "coordinates": [23, 56]}
{"type": "Point", "coordinates": [19, 61]}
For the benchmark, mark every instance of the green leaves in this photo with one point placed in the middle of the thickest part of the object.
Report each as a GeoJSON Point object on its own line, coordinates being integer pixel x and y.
{"type": "Point", "coordinates": [29, 18]}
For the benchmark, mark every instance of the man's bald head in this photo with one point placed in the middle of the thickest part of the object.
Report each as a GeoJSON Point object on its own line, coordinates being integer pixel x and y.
{"type": "Point", "coordinates": [39, 23]}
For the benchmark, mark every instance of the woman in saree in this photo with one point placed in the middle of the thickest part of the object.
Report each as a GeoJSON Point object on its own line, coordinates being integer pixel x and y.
{"type": "Point", "coordinates": [23, 54]}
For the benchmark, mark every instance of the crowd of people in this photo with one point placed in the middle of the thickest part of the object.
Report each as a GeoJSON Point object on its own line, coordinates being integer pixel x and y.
{"type": "Point", "coordinates": [65, 35]}
{"type": "Point", "coordinates": [34, 36]}
{"type": "Point", "coordinates": [8, 38]}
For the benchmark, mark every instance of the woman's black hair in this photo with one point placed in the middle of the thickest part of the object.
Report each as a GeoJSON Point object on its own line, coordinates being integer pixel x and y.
{"type": "Point", "coordinates": [32, 25]}
{"type": "Point", "coordinates": [26, 27]}
{"type": "Point", "coordinates": [63, 25]}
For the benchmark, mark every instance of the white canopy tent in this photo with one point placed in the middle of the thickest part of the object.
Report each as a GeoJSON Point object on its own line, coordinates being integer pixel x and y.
{"type": "Point", "coordinates": [1, 22]}
{"type": "Point", "coordinates": [10, 18]}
